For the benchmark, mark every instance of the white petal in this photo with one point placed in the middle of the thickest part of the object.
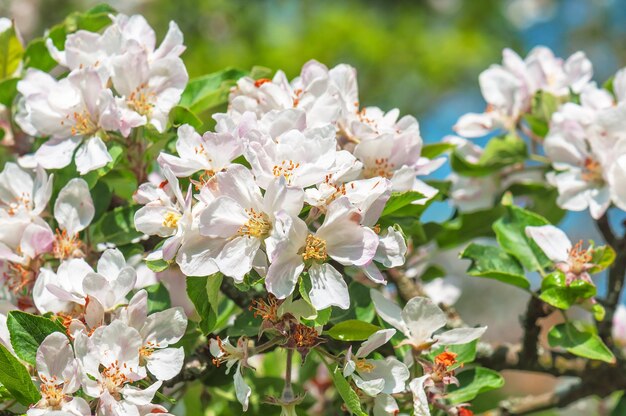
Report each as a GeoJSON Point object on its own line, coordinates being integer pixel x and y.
{"type": "Point", "coordinates": [166, 327]}
{"type": "Point", "coordinates": [423, 318]}
{"type": "Point", "coordinates": [460, 335]}
{"type": "Point", "coordinates": [92, 155]}
{"type": "Point", "coordinates": [137, 396]}
{"type": "Point", "coordinates": [420, 402]}
{"type": "Point", "coordinates": [389, 311]}
{"type": "Point", "coordinates": [166, 363]}
{"type": "Point", "coordinates": [74, 207]}
{"type": "Point", "coordinates": [375, 340]}
{"type": "Point", "coordinates": [328, 287]}
{"type": "Point", "coordinates": [242, 390]}
{"type": "Point", "coordinates": [552, 240]}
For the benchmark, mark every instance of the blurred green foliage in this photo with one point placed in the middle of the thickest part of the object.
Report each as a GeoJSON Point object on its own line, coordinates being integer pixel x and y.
{"type": "Point", "coordinates": [408, 53]}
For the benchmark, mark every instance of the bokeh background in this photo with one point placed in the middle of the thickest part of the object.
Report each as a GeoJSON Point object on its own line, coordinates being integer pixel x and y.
{"type": "Point", "coordinates": [422, 56]}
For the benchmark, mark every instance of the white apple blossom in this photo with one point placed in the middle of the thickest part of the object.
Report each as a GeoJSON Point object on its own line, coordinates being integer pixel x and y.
{"type": "Point", "coordinates": [110, 360]}
{"type": "Point", "coordinates": [341, 237]}
{"type": "Point", "coordinates": [158, 331]}
{"type": "Point", "coordinates": [225, 352]}
{"type": "Point", "coordinates": [74, 112]}
{"type": "Point", "coordinates": [243, 218]}
{"type": "Point", "coordinates": [211, 152]}
{"type": "Point", "coordinates": [573, 260]}
{"type": "Point", "coordinates": [419, 320]}
{"type": "Point", "coordinates": [151, 90]}
{"type": "Point", "coordinates": [57, 370]}
{"type": "Point", "coordinates": [508, 88]}
{"type": "Point", "coordinates": [376, 376]}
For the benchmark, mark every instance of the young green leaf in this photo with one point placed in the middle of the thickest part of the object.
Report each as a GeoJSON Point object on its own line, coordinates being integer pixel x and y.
{"type": "Point", "coordinates": [352, 330]}
{"type": "Point", "coordinates": [203, 292]}
{"type": "Point", "coordinates": [210, 90]}
{"type": "Point", "coordinates": [28, 332]}
{"type": "Point", "coordinates": [116, 226]}
{"type": "Point", "coordinates": [348, 395]}
{"type": "Point", "coordinates": [11, 52]}
{"type": "Point", "coordinates": [474, 382]}
{"type": "Point", "coordinates": [15, 378]}
{"type": "Point", "coordinates": [399, 200]}
{"type": "Point", "coordinates": [582, 343]}
{"type": "Point", "coordinates": [511, 235]}
{"type": "Point", "coordinates": [494, 263]}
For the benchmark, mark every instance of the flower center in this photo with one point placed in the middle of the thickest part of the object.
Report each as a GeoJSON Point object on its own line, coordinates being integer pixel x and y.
{"type": "Point", "coordinates": [257, 226]}
{"type": "Point", "coordinates": [380, 167]}
{"type": "Point", "coordinates": [113, 379]}
{"type": "Point", "coordinates": [66, 245]}
{"type": "Point", "coordinates": [285, 169]}
{"type": "Point", "coordinates": [579, 258]}
{"type": "Point", "coordinates": [592, 171]}
{"type": "Point", "coordinates": [52, 392]}
{"type": "Point", "coordinates": [83, 124]}
{"type": "Point", "coordinates": [141, 100]}
{"type": "Point", "coordinates": [315, 249]}
{"type": "Point", "coordinates": [363, 366]}
{"type": "Point", "coordinates": [21, 202]}
{"type": "Point", "coordinates": [267, 310]}
{"type": "Point", "coordinates": [170, 220]}
{"type": "Point", "coordinates": [261, 81]}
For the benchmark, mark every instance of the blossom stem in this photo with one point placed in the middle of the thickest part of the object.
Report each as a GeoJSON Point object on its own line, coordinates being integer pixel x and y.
{"type": "Point", "coordinates": [288, 390]}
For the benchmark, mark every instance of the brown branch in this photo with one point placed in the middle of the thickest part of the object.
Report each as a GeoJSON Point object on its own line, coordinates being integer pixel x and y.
{"type": "Point", "coordinates": [536, 310]}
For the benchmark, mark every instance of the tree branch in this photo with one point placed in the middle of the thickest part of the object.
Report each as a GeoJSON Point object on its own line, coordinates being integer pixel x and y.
{"type": "Point", "coordinates": [536, 310]}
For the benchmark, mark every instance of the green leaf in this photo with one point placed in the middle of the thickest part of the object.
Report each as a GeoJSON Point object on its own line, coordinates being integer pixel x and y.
{"type": "Point", "coordinates": [158, 265]}
{"type": "Point", "coordinates": [352, 330]}
{"type": "Point", "coordinates": [432, 272]}
{"type": "Point", "coordinates": [116, 226]}
{"type": "Point", "coordinates": [511, 235]}
{"type": "Point", "coordinates": [494, 263]}
{"type": "Point", "coordinates": [8, 91]}
{"type": "Point", "coordinates": [499, 152]}
{"type": "Point", "coordinates": [399, 200]}
{"type": "Point", "coordinates": [474, 382]}
{"type": "Point", "coordinates": [15, 378]}
{"type": "Point", "coordinates": [121, 182]}
{"type": "Point", "coordinates": [582, 343]}
{"type": "Point", "coordinates": [348, 395]}
{"type": "Point", "coordinates": [602, 258]}
{"type": "Point", "coordinates": [28, 332]}
{"type": "Point", "coordinates": [555, 291]}
{"type": "Point", "coordinates": [11, 52]}
{"type": "Point", "coordinates": [37, 56]}
{"type": "Point", "coordinates": [464, 227]}
{"type": "Point", "coordinates": [210, 90]}
{"type": "Point", "coordinates": [204, 294]}
{"type": "Point", "coordinates": [620, 407]}
{"type": "Point", "coordinates": [158, 298]}
{"type": "Point", "coordinates": [433, 150]}
{"type": "Point", "coordinates": [180, 115]}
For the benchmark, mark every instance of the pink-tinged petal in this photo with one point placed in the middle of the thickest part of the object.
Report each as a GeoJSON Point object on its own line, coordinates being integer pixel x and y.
{"type": "Point", "coordinates": [328, 287]}
{"type": "Point", "coordinates": [55, 357]}
{"type": "Point", "coordinates": [73, 208]}
{"type": "Point", "coordinates": [552, 240]}
{"type": "Point", "coordinates": [373, 273]}
{"type": "Point", "coordinates": [37, 239]}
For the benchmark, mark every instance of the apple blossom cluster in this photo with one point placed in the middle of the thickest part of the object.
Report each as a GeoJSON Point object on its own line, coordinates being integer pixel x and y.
{"type": "Point", "coordinates": [101, 97]}
{"type": "Point", "coordinates": [294, 179]}
{"type": "Point", "coordinates": [583, 141]}
{"type": "Point", "coordinates": [378, 379]}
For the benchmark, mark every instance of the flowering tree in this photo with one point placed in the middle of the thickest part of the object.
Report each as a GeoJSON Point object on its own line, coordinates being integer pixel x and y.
{"type": "Point", "coordinates": [158, 254]}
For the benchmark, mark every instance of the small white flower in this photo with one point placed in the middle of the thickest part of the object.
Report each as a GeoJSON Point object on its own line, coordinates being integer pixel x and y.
{"type": "Point", "coordinates": [419, 320]}
{"type": "Point", "coordinates": [58, 372]}
{"type": "Point", "coordinates": [376, 376]}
